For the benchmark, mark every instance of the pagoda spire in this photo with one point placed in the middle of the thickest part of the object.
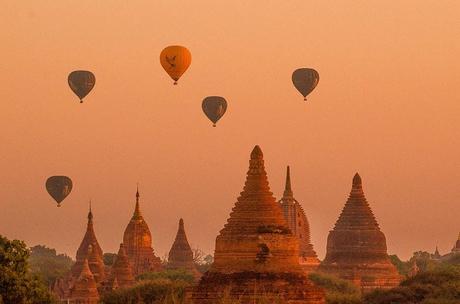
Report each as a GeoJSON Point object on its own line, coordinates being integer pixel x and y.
{"type": "Point", "coordinates": [287, 188]}
{"type": "Point", "coordinates": [137, 209]}
{"type": "Point", "coordinates": [90, 213]}
{"type": "Point", "coordinates": [357, 214]}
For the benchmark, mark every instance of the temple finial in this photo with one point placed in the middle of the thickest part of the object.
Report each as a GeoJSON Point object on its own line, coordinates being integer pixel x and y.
{"type": "Point", "coordinates": [257, 153]}
{"type": "Point", "coordinates": [90, 213]}
{"type": "Point", "coordinates": [287, 187]}
{"type": "Point", "coordinates": [357, 182]}
{"type": "Point", "coordinates": [137, 210]}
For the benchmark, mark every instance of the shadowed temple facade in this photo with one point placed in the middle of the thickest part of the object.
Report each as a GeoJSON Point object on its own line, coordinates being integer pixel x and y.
{"type": "Point", "coordinates": [356, 248]}
{"type": "Point", "coordinates": [256, 255]}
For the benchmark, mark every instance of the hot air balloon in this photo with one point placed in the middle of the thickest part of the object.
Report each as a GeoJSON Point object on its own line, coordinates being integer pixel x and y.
{"type": "Point", "coordinates": [305, 81]}
{"type": "Point", "coordinates": [59, 187]}
{"type": "Point", "coordinates": [175, 59]}
{"type": "Point", "coordinates": [214, 107]}
{"type": "Point", "coordinates": [81, 83]}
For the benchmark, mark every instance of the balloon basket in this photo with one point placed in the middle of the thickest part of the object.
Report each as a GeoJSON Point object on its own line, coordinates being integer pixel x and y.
{"type": "Point", "coordinates": [81, 100]}
{"type": "Point", "coordinates": [214, 125]}
{"type": "Point", "coordinates": [59, 205]}
{"type": "Point", "coordinates": [175, 82]}
{"type": "Point", "coordinates": [305, 99]}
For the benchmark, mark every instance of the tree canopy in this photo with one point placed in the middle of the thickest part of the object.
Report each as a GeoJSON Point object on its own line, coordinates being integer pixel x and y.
{"type": "Point", "coordinates": [47, 264]}
{"type": "Point", "coordinates": [17, 284]}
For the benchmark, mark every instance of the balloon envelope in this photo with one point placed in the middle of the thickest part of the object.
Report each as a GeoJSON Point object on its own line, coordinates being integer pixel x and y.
{"type": "Point", "coordinates": [214, 107]}
{"type": "Point", "coordinates": [59, 187]}
{"type": "Point", "coordinates": [175, 60]}
{"type": "Point", "coordinates": [81, 83]}
{"type": "Point", "coordinates": [305, 80]}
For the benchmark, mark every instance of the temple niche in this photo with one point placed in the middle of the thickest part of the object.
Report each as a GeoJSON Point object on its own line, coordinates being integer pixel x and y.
{"type": "Point", "coordinates": [181, 254]}
{"type": "Point", "coordinates": [137, 241]}
{"type": "Point", "coordinates": [298, 223]}
{"type": "Point", "coordinates": [256, 255]}
{"type": "Point", "coordinates": [356, 248]}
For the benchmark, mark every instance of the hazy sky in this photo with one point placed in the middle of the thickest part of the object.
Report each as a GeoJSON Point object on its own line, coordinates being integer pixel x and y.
{"type": "Point", "coordinates": [387, 106]}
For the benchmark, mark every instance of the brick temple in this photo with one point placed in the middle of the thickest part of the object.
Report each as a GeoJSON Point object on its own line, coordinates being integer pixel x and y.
{"type": "Point", "coordinates": [356, 247]}
{"type": "Point", "coordinates": [256, 255]}
{"type": "Point", "coordinates": [298, 223]}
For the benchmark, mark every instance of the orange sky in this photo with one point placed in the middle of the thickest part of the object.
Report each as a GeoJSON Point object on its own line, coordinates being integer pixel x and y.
{"type": "Point", "coordinates": [387, 106]}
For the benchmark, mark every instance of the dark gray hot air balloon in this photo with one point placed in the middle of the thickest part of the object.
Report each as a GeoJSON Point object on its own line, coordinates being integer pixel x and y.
{"type": "Point", "coordinates": [214, 107]}
{"type": "Point", "coordinates": [59, 187]}
{"type": "Point", "coordinates": [305, 81]}
{"type": "Point", "coordinates": [81, 83]}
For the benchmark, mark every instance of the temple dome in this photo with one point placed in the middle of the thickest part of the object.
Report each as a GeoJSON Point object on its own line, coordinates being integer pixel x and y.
{"type": "Point", "coordinates": [137, 241]}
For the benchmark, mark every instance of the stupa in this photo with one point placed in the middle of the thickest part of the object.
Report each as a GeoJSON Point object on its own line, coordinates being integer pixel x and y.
{"type": "Point", "coordinates": [137, 241]}
{"type": "Point", "coordinates": [91, 251]}
{"type": "Point", "coordinates": [256, 254]}
{"type": "Point", "coordinates": [181, 254]}
{"type": "Point", "coordinates": [121, 275]}
{"type": "Point", "coordinates": [356, 248]}
{"type": "Point", "coordinates": [298, 223]}
{"type": "Point", "coordinates": [84, 291]}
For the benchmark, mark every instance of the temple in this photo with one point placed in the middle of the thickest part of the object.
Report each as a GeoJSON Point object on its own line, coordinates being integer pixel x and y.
{"type": "Point", "coordinates": [298, 223]}
{"type": "Point", "coordinates": [181, 254]}
{"type": "Point", "coordinates": [256, 255]}
{"type": "Point", "coordinates": [90, 250]}
{"type": "Point", "coordinates": [356, 248]}
{"type": "Point", "coordinates": [137, 241]}
{"type": "Point", "coordinates": [84, 290]}
{"type": "Point", "coordinates": [121, 274]}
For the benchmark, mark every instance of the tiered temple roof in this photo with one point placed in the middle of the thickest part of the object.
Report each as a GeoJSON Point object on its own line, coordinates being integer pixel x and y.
{"type": "Point", "coordinates": [357, 247]}
{"type": "Point", "coordinates": [89, 250]}
{"type": "Point", "coordinates": [181, 254]}
{"type": "Point", "coordinates": [256, 254]}
{"type": "Point", "coordinates": [121, 275]}
{"type": "Point", "coordinates": [298, 223]}
{"type": "Point", "coordinates": [84, 291]}
{"type": "Point", "coordinates": [137, 241]}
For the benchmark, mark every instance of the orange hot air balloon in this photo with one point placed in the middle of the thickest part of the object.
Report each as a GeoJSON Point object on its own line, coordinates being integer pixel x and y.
{"type": "Point", "coordinates": [175, 59]}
